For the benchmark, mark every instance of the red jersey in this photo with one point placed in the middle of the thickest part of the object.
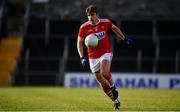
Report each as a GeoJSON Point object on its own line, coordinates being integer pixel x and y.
{"type": "Point", "coordinates": [101, 31]}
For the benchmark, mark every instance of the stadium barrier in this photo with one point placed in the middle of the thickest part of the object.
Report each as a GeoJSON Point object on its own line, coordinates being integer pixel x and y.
{"type": "Point", "coordinates": [125, 80]}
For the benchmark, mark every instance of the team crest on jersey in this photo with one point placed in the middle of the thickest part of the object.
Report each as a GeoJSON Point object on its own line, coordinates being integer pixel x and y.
{"type": "Point", "coordinates": [102, 27]}
{"type": "Point", "coordinates": [100, 35]}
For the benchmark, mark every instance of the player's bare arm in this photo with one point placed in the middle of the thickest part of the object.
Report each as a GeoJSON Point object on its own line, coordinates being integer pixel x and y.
{"type": "Point", "coordinates": [80, 46]}
{"type": "Point", "coordinates": [118, 32]}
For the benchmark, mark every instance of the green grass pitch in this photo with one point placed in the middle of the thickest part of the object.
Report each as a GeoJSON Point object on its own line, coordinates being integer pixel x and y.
{"type": "Point", "coordinates": [86, 99]}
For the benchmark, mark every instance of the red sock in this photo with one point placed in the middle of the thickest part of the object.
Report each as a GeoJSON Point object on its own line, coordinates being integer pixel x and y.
{"type": "Point", "coordinates": [107, 90]}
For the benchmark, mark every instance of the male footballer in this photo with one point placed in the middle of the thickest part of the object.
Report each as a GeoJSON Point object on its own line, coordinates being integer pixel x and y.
{"type": "Point", "coordinates": [100, 57]}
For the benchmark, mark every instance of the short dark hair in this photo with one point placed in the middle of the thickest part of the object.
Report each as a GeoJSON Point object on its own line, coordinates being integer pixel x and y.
{"type": "Point", "coordinates": [91, 9]}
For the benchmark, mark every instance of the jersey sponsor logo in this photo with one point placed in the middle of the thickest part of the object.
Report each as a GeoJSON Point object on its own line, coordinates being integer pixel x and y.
{"type": "Point", "coordinates": [100, 35]}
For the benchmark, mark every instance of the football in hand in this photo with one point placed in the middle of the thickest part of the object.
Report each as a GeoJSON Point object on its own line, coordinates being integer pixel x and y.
{"type": "Point", "coordinates": [91, 41]}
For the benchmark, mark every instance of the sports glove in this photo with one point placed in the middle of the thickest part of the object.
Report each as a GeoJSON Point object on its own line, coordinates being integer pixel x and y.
{"type": "Point", "coordinates": [128, 41]}
{"type": "Point", "coordinates": [83, 62]}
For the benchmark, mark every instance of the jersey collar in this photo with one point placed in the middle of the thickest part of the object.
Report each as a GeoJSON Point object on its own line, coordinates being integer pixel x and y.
{"type": "Point", "coordinates": [96, 23]}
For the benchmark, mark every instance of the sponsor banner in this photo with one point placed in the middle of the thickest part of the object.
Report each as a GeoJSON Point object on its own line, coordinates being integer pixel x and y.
{"type": "Point", "coordinates": [125, 80]}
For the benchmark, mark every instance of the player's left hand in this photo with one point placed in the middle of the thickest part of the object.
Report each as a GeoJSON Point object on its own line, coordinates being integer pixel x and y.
{"type": "Point", "coordinates": [83, 62]}
{"type": "Point", "coordinates": [128, 41]}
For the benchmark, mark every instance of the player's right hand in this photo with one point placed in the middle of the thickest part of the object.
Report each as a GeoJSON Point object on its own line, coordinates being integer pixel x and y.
{"type": "Point", "coordinates": [83, 62]}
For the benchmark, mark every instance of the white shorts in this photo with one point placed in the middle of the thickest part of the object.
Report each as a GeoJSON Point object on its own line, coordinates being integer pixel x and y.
{"type": "Point", "coordinates": [95, 63]}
